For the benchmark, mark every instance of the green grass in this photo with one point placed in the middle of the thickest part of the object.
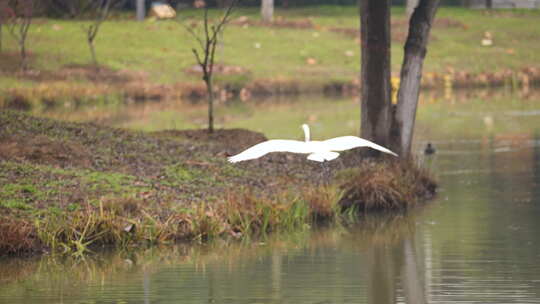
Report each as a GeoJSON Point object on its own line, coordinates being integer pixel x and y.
{"type": "Point", "coordinates": [162, 49]}
{"type": "Point", "coordinates": [42, 185]}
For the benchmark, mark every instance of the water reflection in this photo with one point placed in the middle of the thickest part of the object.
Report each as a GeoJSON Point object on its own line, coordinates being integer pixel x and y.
{"type": "Point", "coordinates": [483, 111]}
{"type": "Point", "coordinates": [364, 263]}
{"type": "Point", "coordinates": [477, 242]}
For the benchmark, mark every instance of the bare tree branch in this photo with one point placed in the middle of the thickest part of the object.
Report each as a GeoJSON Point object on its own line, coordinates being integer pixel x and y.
{"type": "Point", "coordinates": [194, 35]}
{"type": "Point", "coordinates": [206, 57]}
{"type": "Point", "coordinates": [199, 60]}
{"type": "Point", "coordinates": [207, 37]}
{"type": "Point", "coordinates": [20, 15]}
{"type": "Point", "coordinates": [99, 12]}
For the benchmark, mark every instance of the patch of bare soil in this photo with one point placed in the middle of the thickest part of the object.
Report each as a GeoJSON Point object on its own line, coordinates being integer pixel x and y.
{"type": "Point", "coordinates": [98, 74]}
{"type": "Point", "coordinates": [10, 62]}
{"type": "Point", "coordinates": [398, 34]}
{"type": "Point", "coordinates": [439, 23]}
{"type": "Point", "coordinates": [278, 22]}
{"type": "Point", "coordinates": [43, 150]}
{"type": "Point", "coordinates": [400, 28]}
{"type": "Point", "coordinates": [219, 68]}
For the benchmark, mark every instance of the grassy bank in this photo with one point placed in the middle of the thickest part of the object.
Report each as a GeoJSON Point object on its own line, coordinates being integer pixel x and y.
{"type": "Point", "coordinates": [70, 187]}
{"type": "Point", "coordinates": [306, 49]}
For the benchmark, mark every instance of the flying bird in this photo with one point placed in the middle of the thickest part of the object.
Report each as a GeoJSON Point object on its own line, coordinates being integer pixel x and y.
{"type": "Point", "coordinates": [319, 151]}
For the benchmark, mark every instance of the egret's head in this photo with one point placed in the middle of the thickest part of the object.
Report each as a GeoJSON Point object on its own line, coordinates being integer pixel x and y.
{"type": "Point", "coordinates": [305, 127]}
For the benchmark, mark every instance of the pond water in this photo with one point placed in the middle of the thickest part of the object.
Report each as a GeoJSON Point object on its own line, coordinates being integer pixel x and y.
{"type": "Point", "coordinates": [477, 242]}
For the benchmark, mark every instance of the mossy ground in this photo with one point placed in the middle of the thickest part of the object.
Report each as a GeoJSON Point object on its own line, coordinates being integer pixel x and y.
{"type": "Point", "coordinates": [70, 186]}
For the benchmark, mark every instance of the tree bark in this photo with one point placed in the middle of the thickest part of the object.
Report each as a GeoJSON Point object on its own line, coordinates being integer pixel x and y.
{"type": "Point", "coordinates": [267, 10]}
{"type": "Point", "coordinates": [410, 6]}
{"type": "Point", "coordinates": [24, 56]}
{"type": "Point", "coordinates": [141, 10]}
{"type": "Point", "coordinates": [411, 75]}
{"type": "Point", "coordinates": [93, 52]}
{"type": "Point", "coordinates": [375, 70]}
{"type": "Point", "coordinates": [210, 92]}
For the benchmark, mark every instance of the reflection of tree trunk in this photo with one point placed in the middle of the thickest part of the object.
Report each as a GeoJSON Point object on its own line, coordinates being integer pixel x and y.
{"type": "Point", "coordinates": [146, 287]}
{"type": "Point", "coordinates": [427, 266]}
{"type": "Point", "coordinates": [536, 165]}
{"type": "Point", "coordinates": [381, 286]}
{"type": "Point", "coordinates": [211, 292]}
{"type": "Point", "coordinates": [375, 70]}
{"type": "Point", "coordinates": [412, 285]}
{"type": "Point", "coordinates": [276, 276]}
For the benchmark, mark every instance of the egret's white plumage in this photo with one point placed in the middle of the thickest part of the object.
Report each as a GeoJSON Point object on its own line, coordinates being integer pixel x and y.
{"type": "Point", "coordinates": [320, 151]}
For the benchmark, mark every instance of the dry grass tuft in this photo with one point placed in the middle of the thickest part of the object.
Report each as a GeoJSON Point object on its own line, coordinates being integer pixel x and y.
{"type": "Point", "coordinates": [386, 185]}
{"type": "Point", "coordinates": [18, 236]}
{"type": "Point", "coordinates": [323, 202]}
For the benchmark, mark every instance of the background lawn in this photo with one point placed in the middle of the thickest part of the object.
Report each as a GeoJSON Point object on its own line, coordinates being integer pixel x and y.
{"type": "Point", "coordinates": [159, 52]}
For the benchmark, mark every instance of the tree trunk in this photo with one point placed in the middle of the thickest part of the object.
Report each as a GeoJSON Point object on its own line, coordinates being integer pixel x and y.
{"type": "Point", "coordinates": [23, 35]}
{"type": "Point", "coordinates": [93, 52]}
{"type": "Point", "coordinates": [24, 56]}
{"type": "Point", "coordinates": [411, 75]}
{"type": "Point", "coordinates": [210, 92]}
{"type": "Point", "coordinates": [141, 10]}
{"type": "Point", "coordinates": [410, 6]}
{"type": "Point", "coordinates": [375, 70]}
{"type": "Point", "coordinates": [267, 10]}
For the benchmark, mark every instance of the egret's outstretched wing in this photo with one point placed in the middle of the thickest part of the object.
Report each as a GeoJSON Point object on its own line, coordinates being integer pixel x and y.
{"type": "Point", "coordinates": [275, 145]}
{"type": "Point", "coordinates": [349, 142]}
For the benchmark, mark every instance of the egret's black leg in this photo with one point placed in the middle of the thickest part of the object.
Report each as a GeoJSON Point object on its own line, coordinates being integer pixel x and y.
{"type": "Point", "coordinates": [325, 172]}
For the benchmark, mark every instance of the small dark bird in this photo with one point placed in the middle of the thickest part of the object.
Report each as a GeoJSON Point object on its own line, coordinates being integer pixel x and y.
{"type": "Point", "coordinates": [429, 150]}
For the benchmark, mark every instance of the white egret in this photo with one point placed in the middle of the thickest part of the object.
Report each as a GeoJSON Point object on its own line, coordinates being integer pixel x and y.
{"type": "Point", "coordinates": [318, 150]}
